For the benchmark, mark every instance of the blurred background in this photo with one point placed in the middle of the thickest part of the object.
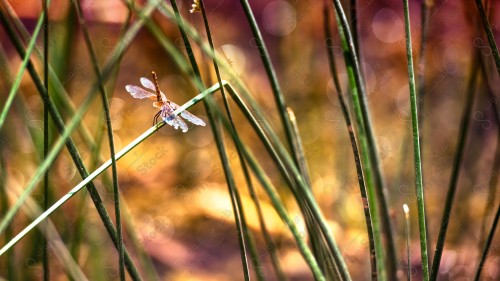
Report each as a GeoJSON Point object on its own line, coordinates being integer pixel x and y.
{"type": "Point", "coordinates": [174, 192]}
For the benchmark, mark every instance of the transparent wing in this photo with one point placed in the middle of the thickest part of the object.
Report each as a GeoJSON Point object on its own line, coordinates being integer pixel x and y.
{"type": "Point", "coordinates": [138, 92]}
{"type": "Point", "coordinates": [150, 85]}
{"type": "Point", "coordinates": [174, 121]}
{"type": "Point", "coordinates": [147, 83]}
{"type": "Point", "coordinates": [188, 116]}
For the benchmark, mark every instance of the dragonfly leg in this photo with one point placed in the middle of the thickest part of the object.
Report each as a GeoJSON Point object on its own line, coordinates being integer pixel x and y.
{"type": "Point", "coordinates": [155, 119]}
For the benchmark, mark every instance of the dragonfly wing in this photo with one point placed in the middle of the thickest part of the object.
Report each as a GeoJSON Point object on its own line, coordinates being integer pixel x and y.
{"type": "Point", "coordinates": [172, 120]}
{"type": "Point", "coordinates": [150, 85]}
{"type": "Point", "coordinates": [138, 92]}
{"type": "Point", "coordinates": [188, 116]}
{"type": "Point", "coordinates": [147, 83]}
{"type": "Point", "coordinates": [182, 124]}
{"type": "Point", "coordinates": [192, 118]}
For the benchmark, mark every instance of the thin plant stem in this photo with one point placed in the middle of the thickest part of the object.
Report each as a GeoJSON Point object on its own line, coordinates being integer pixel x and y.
{"type": "Point", "coordinates": [487, 245]}
{"type": "Point", "coordinates": [354, 145]}
{"type": "Point", "coordinates": [424, 22]}
{"type": "Point", "coordinates": [285, 161]}
{"type": "Point", "coordinates": [320, 249]}
{"type": "Point", "coordinates": [317, 242]}
{"type": "Point", "coordinates": [105, 102]}
{"type": "Point", "coordinates": [4, 200]}
{"type": "Point", "coordinates": [489, 33]}
{"type": "Point", "coordinates": [457, 165]}
{"type": "Point", "coordinates": [95, 147]}
{"type": "Point", "coordinates": [424, 19]}
{"type": "Point", "coordinates": [354, 25]}
{"type": "Point", "coordinates": [149, 132]}
{"type": "Point", "coordinates": [45, 255]}
{"type": "Point", "coordinates": [237, 209]}
{"type": "Point", "coordinates": [271, 74]}
{"type": "Point", "coordinates": [22, 68]}
{"type": "Point", "coordinates": [416, 148]}
{"type": "Point", "coordinates": [255, 258]}
{"type": "Point", "coordinates": [146, 259]}
{"type": "Point", "coordinates": [365, 150]}
{"type": "Point", "coordinates": [407, 236]}
{"type": "Point", "coordinates": [288, 167]}
{"type": "Point", "coordinates": [104, 166]}
{"type": "Point", "coordinates": [298, 148]}
{"type": "Point", "coordinates": [101, 169]}
{"type": "Point", "coordinates": [492, 189]}
{"type": "Point", "coordinates": [374, 181]}
{"type": "Point", "coordinates": [53, 238]}
{"type": "Point", "coordinates": [93, 192]}
{"type": "Point", "coordinates": [265, 182]}
{"type": "Point", "coordinates": [278, 153]}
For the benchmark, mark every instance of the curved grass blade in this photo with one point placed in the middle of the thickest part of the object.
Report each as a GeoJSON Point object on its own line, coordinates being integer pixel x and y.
{"type": "Point", "coordinates": [278, 153]}
{"type": "Point", "coordinates": [99, 170]}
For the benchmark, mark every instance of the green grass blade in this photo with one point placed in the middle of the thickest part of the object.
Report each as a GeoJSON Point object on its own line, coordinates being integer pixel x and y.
{"type": "Point", "coordinates": [416, 148]}
{"type": "Point", "coordinates": [285, 162]}
{"type": "Point", "coordinates": [374, 179]}
{"type": "Point", "coordinates": [4, 202]}
{"type": "Point", "coordinates": [290, 166]}
{"type": "Point", "coordinates": [59, 92]}
{"type": "Point", "coordinates": [271, 74]}
{"type": "Point", "coordinates": [458, 161]}
{"type": "Point", "coordinates": [424, 19]}
{"type": "Point", "coordinates": [55, 242]}
{"type": "Point", "coordinates": [489, 33]}
{"type": "Point", "coordinates": [93, 192]}
{"type": "Point", "coordinates": [487, 245]}
{"type": "Point", "coordinates": [105, 102]}
{"type": "Point", "coordinates": [45, 255]}
{"type": "Point", "coordinates": [354, 145]}
{"type": "Point", "coordinates": [256, 263]}
{"type": "Point", "coordinates": [101, 169]}
{"type": "Point", "coordinates": [278, 205]}
{"type": "Point", "coordinates": [298, 148]}
{"type": "Point", "coordinates": [492, 190]}
{"type": "Point", "coordinates": [22, 68]}
{"type": "Point", "coordinates": [367, 148]}
{"type": "Point", "coordinates": [237, 208]}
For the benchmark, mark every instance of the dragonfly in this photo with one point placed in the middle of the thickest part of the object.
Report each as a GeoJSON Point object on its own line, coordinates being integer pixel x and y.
{"type": "Point", "coordinates": [167, 107]}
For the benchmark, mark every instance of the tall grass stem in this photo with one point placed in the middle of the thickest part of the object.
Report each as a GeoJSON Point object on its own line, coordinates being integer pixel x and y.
{"type": "Point", "coordinates": [416, 148]}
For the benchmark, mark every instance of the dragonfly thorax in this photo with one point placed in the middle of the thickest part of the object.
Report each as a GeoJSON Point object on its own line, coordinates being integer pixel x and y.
{"type": "Point", "coordinates": [158, 104]}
